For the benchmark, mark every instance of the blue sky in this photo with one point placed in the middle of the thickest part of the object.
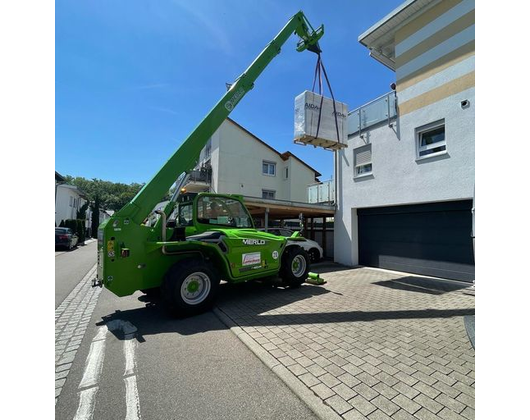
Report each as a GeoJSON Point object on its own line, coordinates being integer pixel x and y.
{"type": "Point", "coordinates": [134, 78]}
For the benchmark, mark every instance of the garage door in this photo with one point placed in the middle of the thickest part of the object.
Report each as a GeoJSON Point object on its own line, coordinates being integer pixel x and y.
{"type": "Point", "coordinates": [429, 239]}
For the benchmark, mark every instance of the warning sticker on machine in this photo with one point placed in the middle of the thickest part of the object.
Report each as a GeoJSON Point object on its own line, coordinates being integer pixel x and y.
{"type": "Point", "coordinates": [252, 258]}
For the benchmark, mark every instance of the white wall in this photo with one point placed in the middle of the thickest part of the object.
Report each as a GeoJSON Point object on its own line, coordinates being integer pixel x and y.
{"type": "Point", "coordinates": [64, 209]}
{"type": "Point", "coordinates": [397, 176]}
{"type": "Point", "coordinates": [237, 158]}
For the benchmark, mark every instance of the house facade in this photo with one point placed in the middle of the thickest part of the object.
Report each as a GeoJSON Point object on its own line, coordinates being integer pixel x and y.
{"type": "Point", "coordinates": [69, 199]}
{"type": "Point", "coordinates": [406, 181]}
{"type": "Point", "coordinates": [235, 161]}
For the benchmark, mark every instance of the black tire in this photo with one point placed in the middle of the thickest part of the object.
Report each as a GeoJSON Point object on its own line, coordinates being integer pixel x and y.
{"type": "Point", "coordinates": [190, 286]}
{"type": "Point", "coordinates": [295, 266]}
{"type": "Point", "coordinates": [314, 255]}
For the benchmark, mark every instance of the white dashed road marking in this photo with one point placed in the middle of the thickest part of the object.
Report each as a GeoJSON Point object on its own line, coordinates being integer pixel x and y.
{"type": "Point", "coordinates": [94, 366]}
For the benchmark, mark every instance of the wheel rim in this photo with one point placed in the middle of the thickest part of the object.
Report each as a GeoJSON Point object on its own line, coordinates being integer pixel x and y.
{"type": "Point", "coordinates": [298, 266]}
{"type": "Point", "coordinates": [195, 288]}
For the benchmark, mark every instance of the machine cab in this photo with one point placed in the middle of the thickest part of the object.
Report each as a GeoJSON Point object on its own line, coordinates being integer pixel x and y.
{"type": "Point", "coordinates": [198, 213]}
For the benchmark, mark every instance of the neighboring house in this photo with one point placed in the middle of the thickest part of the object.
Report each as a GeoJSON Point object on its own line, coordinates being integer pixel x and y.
{"type": "Point", "coordinates": [406, 180]}
{"type": "Point", "coordinates": [235, 161]}
{"type": "Point", "coordinates": [69, 199]}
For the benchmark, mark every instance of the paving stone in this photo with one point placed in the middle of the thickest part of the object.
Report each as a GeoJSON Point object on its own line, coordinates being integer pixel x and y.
{"type": "Point", "coordinates": [378, 415]}
{"type": "Point", "coordinates": [386, 378]}
{"type": "Point", "coordinates": [448, 414]}
{"type": "Point", "coordinates": [362, 405]}
{"type": "Point", "coordinates": [323, 391]}
{"type": "Point", "coordinates": [385, 405]}
{"type": "Point", "coordinates": [316, 370]}
{"type": "Point", "coordinates": [366, 391]}
{"type": "Point", "coordinates": [406, 403]}
{"type": "Point", "coordinates": [468, 413]}
{"type": "Point", "coordinates": [329, 380]}
{"type": "Point", "coordinates": [403, 415]}
{"type": "Point", "coordinates": [406, 390]}
{"type": "Point", "coordinates": [424, 378]}
{"type": "Point", "coordinates": [304, 361]}
{"type": "Point", "coordinates": [62, 367]}
{"type": "Point", "coordinates": [424, 414]}
{"type": "Point", "coordinates": [408, 379]}
{"type": "Point", "coordinates": [367, 379]}
{"type": "Point", "coordinates": [444, 378]}
{"type": "Point", "coordinates": [465, 388]}
{"type": "Point", "coordinates": [385, 390]}
{"type": "Point", "coordinates": [309, 379]}
{"type": "Point", "coordinates": [338, 404]}
{"type": "Point", "coordinates": [466, 400]}
{"type": "Point", "coordinates": [408, 361]}
{"type": "Point", "coordinates": [349, 380]}
{"type": "Point", "coordinates": [428, 403]}
{"type": "Point", "coordinates": [297, 369]}
{"type": "Point", "coordinates": [353, 415]}
{"type": "Point", "coordinates": [427, 390]}
{"type": "Point", "coordinates": [344, 391]}
{"type": "Point", "coordinates": [450, 391]}
{"type": "Point", "coordinates": [352, 369]}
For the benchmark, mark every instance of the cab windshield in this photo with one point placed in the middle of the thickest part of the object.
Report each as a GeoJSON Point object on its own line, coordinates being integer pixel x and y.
{"type": "Point", "coordinates": [222, 211]}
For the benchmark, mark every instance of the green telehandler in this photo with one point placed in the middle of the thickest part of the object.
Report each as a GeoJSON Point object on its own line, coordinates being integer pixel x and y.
{"type": "Point", "coordinates": [185, 248]}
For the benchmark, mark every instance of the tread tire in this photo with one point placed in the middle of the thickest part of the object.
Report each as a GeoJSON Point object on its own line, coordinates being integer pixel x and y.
{"type": "Point", "coordinates": [287, 275]}
{"type": "Point", "coordinates": [174, 279]}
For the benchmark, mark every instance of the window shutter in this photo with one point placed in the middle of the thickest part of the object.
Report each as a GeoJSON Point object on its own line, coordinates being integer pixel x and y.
{"type": "Point", "coordinates": [363, 155]}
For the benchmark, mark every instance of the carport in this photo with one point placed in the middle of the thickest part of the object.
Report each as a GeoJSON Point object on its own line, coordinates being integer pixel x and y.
{"type": "Point", "coordinates": [268, 209]}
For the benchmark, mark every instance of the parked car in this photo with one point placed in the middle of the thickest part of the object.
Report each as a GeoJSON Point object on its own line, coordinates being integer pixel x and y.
{"type": "Point", "coordinates": [314, 250]}
{"type": "Point", "coordinates": [65, 238]}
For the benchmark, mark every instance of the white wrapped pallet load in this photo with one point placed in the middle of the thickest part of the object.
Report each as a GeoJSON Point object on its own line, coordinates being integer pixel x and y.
{"type": "Point", "coordinates": [308, 129]}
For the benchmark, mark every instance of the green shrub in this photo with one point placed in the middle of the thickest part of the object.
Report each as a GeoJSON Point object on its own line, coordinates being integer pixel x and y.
{"type": "Point", "coordinates": [78, 227]}
{"type": "Point", "coordinates": [81, 230]}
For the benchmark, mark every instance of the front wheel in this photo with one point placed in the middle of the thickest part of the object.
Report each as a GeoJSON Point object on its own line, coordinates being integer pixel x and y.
{"type": "Point", "coordinates": [190, 286]}
{"type": "Point", "coordinates": [295, 266]}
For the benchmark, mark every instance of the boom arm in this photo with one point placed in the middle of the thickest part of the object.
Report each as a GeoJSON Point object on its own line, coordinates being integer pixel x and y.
{"type": "Point", "coordinates": [186, 157]}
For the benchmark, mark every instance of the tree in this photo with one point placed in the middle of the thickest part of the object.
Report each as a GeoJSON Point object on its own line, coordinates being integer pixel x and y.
{"type": "Point", "coordinates": [81, 213]}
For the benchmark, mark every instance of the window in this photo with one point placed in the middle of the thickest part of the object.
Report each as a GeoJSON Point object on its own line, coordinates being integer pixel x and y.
{"type": "Point", "coordinates": [222, 211]}
{"type": "Point", "coordinates": [185, 215]}
{"type": "Point", "coordinates": [431, 140]}
{"type": "Point", "coordinates": [268, 194]}
{"type": "Point", "coordinates": [286, 173]}
{"type": "Point", "coordinates": [269, 168]}
{"type": "Point", "coordinates": [362, 158]}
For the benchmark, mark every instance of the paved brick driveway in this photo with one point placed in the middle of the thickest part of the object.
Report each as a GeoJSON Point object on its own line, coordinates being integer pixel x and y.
{"type": "Point", "coordinates": [369, 343]}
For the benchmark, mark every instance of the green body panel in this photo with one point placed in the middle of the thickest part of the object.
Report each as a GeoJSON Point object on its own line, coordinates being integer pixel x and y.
{"type": "Point", "coordinates": [133, 256]}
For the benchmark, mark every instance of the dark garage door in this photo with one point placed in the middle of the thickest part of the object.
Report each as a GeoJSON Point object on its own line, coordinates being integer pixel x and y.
{"type": "Point", "coordinates": [429, 239]}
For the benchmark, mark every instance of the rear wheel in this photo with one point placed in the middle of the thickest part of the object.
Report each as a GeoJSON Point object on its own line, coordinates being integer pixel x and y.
{"type": "Point", "coordinates": [190, 286]}
{"type": "Point", "coordinates": [295, 266]}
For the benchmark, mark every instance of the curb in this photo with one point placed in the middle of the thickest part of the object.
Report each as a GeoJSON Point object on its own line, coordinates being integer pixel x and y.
{"type": "Point", "coordinates": [315, 404]}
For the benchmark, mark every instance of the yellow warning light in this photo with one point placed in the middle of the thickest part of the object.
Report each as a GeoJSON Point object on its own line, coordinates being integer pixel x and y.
{"type": "Point", "coordinates": [183, 190]}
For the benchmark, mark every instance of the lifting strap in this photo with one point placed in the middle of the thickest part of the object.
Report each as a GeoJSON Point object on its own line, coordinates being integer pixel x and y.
{"type": "Point", "coordinates": [319, 69]}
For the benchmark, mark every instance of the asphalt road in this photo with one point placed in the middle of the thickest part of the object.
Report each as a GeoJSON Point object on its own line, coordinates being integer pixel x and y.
{"type": "Point", "coordinates": [193, 368]}
{"type": "Point", "coordinates": [70, 267]}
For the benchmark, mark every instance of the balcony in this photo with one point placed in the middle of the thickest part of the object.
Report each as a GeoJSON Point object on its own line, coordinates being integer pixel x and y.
{"type": "Point", "coordinates": [200, 180]}
{"type": "Point", "coordinates": [382, 109]}
{"type": "Point", "coordinates": [323, 192]}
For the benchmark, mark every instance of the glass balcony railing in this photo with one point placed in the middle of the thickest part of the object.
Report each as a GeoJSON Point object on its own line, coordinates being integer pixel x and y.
{"type": "Point", "coordinates": [374, 112]}
{"type": "Point", "coordinates": [321, 193]}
